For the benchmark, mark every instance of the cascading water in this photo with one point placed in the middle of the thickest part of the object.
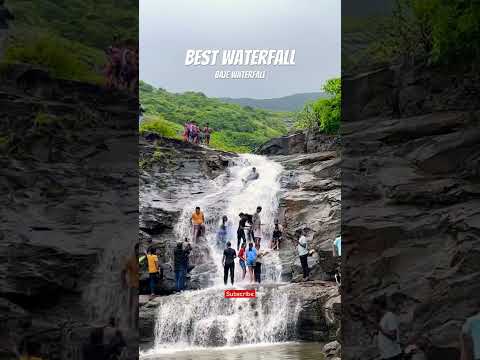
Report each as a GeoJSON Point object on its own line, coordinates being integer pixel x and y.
{"type": "Point", "coordinates": [230, 197]}
{"type": "Point", "coordinates": [204, 317]}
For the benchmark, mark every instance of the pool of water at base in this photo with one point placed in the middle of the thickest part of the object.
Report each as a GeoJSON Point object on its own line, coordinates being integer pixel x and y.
{"type": "Point", "coordinates": [278, 351]}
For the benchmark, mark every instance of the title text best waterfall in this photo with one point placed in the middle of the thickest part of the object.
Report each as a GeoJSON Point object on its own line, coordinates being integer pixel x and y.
{"type": "Point", "coordinates": [247, 57]}
{"type": "Point", "coordinates": [240, 57]}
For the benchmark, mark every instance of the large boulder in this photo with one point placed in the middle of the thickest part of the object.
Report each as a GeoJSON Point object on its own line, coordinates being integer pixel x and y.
{"type": "Point", "coordinates": [284, 145]}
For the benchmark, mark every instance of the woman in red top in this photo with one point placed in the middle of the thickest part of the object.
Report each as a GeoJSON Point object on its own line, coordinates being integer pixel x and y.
{"type": "Point", "coordinates": [241, 260]}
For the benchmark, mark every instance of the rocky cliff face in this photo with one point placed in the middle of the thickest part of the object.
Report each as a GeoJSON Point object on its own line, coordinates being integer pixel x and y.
{"type": "Point", "coordinates": [171, 171]}
{"type": "Point", "coordinates": [69, 204]}
{"type": "Point", "coordinates": [311, 195]}
{"type": "Point", "coordinates": [412, 210]}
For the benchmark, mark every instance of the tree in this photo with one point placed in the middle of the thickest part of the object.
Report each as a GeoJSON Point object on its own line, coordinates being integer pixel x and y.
{"type": "Point", "coordinates": [323, 113]}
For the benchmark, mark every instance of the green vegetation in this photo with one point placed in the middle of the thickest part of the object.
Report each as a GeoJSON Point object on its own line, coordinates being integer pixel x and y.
{"type": "Point", "coordinates": [323, 113]}
{"type": "Point", "coordinates": [159, 125]}
{"type": "Point", "coordinates": [69, 37]}
{"type": "Point", "coordinates": [236, 128]}
{"type": "Point", "coordinates": [429, 31]}
{"type": "Point", "coordinates": [54, 54]}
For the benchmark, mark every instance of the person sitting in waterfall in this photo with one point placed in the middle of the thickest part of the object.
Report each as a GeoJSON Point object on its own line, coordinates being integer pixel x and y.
{"type": "Point", "coordinates": [242, 260]}
{"type": "Point", "coordinates": [153, 269]}
{"type": "Point", "coordinates": [257, 270]}
{"type": "Point", "coordinates": [222, 232]}
{"type": "Point", "coordinates": [179, 264]}
{"type": "Point", "coordinates": [277, 236]}
{"type": "Point", "coordinates": [198, 223]}
{"type": "Point", "coordinates": [228, 263]}
{"type": "Point", "coordinates": [254, 175]}
{"type": "Point", "coordinates": [251, 259]}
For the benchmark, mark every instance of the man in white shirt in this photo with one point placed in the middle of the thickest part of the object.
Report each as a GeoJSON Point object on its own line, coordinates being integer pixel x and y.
{"type": "Point", "coordinates": [470, 339]}
{"type": "Point", "coordinates": [388, 338]}
{"type": "Point", "coordinates": [302, 248]}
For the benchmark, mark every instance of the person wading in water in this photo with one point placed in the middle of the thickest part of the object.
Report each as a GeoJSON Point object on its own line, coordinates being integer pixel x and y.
{"type": "Point", "coordinates": [228, 262]}
{"type": "Point", "coordinates": [251, 259]}
{"type": "Point", "coordinates": [198, 221]}
{"type": "Point", "coordinates": [241, 230]}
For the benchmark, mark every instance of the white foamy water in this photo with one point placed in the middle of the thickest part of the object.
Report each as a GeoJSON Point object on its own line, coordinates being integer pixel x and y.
{"type": "Point", "coordinates": [231, 197]}
{"type": "Point", "coordinates": [204, 318]}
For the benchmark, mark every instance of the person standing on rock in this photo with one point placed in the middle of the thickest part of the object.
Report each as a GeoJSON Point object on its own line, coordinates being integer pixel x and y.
{"type": "Point", "coordinates": [257, 226]}
{"type": "Point", "coordinates": [251, 259]}
{"type": "Point", "coordinates": [222, 232]}
{"type": "Point", "coordinates": [258, 265]}
{"type": "Point", "coordinates": [152, 261]}
{"type": "Point", "coordinates": [241, 230]}
{"type": "Point", "coordinates": [207, 131]}
{"type": "Point", "coordinates": [187, 249]}
{"type": "Point", "coordinates": [388, 338]}
{"type": "Point", "coordinates": [198, 223]}
{"type": "Point", "coordinates": [179, 263]}
{"type": "Point", "coordinates": [470, 338]}
{"type": "Point", "coordinates": [302, 248]}
{"type": "Point", "coordinates": [277, 237]}
{"type": "Point", "coordinates": [228, 262]}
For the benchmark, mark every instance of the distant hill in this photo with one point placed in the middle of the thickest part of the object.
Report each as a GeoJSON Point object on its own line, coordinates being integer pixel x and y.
{"type": "Point", "coordinates": [236, 127]}
{"type": "Point", "coordinates": [287, 103]}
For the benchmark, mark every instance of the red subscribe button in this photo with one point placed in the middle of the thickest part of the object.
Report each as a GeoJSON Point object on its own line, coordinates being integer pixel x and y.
{"type": "Point", "coordinates": [233, 294]}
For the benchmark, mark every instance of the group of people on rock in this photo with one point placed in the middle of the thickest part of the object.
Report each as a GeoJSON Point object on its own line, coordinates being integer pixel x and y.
{"type": "Point", "coordinates": [195, 134]}
{"type": "Point", "coordinates": [181, 266]}
{"type": "Point", "coordinates": [121, 70]}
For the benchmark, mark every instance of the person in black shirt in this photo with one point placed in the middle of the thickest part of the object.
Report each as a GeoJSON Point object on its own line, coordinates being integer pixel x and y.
{"type": "Point", "coordinates": [241, 230]}
{"type": "Point", "coordinates": [228, 261]}
{"type": "Point", "coordinates": [276, 237]}
{"type": "Point", "coordinates": [179, 263]}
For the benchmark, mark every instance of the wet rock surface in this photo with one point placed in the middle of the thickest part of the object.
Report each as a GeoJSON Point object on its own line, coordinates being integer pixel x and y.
{"type": "Point", "coordinates": [171, 172]}
{"type": "Point", "coordinates": [311, 199]}
{"type": "Point", "coordinates": [412, 208]}
{"type": "Point", "coordinates": [68, 181]}
{"type": "Point", "coordinates": [310, 196]}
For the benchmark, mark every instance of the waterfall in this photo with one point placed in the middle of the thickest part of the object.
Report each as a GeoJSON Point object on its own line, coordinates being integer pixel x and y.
{"type": "Point", "coordinates": [231, 196]}
{"type": "Point", "coordinates": [204, 318]}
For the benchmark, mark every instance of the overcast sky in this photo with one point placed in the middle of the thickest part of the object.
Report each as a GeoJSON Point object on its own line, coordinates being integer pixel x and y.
{"type": "Point", "coordinates": [169, 27]}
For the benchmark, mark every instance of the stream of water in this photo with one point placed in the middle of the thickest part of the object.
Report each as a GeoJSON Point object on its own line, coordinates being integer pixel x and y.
{"type": "Point", "coordinates": [204, 319]}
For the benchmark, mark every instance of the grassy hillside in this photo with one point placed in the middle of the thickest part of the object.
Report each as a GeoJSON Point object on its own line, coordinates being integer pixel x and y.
{"type": "Point", "coordinates": [69, 37]}
{"type": "Point", "coordinates": [293, 102]}
{"type": "Point", "coordinates": [236, 128]}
